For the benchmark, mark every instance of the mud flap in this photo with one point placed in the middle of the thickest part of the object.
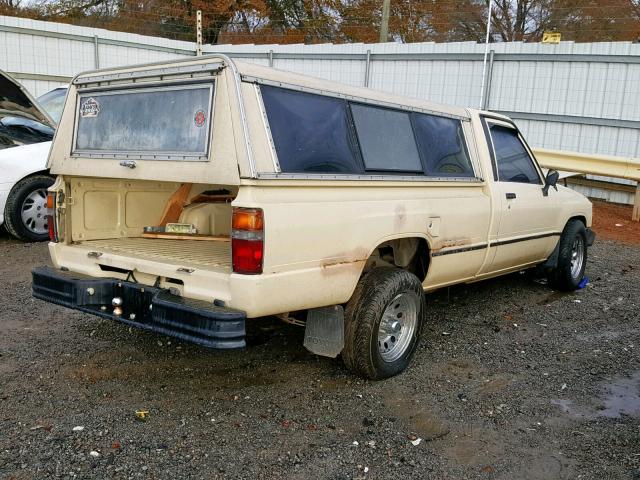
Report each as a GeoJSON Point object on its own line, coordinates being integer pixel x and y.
{"type": "Point", "coordinates": [324, 333]}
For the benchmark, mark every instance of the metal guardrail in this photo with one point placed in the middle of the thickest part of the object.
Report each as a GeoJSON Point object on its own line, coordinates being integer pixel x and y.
{"type": "Point", "coordinates": [605, 165]}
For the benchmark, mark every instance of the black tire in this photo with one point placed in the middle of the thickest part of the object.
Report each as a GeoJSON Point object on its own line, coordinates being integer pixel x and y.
{"type": "Point", "coordinates": [15, 201]}
{"type": "Point", "coordinates": [564, 277]}
{"type": "Point", "coordinates": [373, 294]}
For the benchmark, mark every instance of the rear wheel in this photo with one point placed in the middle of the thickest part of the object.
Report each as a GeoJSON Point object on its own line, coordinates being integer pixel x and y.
{"type": "Point", "coordinates": [25, 213]}
{"type": "Point", "coordinates": [572, 258]}
{"type": "Point", "coordinates": [383, 319]}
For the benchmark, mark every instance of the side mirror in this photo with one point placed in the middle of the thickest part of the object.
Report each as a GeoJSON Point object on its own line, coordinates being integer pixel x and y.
{"type": "Point", "coordinates": [550, 181]}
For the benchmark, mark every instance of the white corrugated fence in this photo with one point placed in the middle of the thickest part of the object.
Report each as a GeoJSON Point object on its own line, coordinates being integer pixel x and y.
{"type": "Point", "coordinates": [570, 96]}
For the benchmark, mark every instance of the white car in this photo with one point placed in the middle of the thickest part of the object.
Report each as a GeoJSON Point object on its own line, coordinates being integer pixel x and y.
{"type": "Point", "coordinates": [26, 130]}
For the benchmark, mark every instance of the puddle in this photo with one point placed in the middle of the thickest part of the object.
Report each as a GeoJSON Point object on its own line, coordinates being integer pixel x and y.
{"type": "Point", "coordinates": [421, 420]}
{"type": "Point", "coordinates": [620, 397]}
{"type": "Point", "coordinates": [564, 404]}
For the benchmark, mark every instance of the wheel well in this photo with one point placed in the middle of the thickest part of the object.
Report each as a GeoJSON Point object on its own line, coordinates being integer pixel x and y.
{"type": "Point", "coordinates": [411, 254]}
{"type": "Point", "coordinates": [41, 172]}
{"type": "Point", "coordinates": [579, 217]}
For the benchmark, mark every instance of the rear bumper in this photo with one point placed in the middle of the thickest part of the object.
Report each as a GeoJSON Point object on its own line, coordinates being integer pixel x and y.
{"type": "Point", "coordinates": [144, 307]}
{"type": "Point", "coordinates": [591, 237]}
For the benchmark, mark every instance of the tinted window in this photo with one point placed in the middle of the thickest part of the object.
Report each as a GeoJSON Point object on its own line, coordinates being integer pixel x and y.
{"type": "Point", "coordinates": [442, 145]}
{"type": "Point", "coordinates": [167, 120]}
{"type": "Point", "coordinates": [53, 102]}
{"type": "Point", "coordinates": [512, 159]}
{"type": "Point", "coordinates": [16, 131]}
{"type": "Point", "coordinates": [386, 139]}
{"type": "Point", "coordinates": [310, 132]}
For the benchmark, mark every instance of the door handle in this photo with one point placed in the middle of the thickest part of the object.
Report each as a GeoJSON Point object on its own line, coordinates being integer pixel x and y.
{"type": "Point", "coordinates": [511, 196]}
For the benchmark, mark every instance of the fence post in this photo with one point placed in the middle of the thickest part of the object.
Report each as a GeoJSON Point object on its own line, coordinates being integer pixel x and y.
{"type": "Point", "coordinates": [271, 58]}
{"type": "Point", "coordinates": [367, 68]}
{"type": "Point", "coordinates": [199, 33]}
{"type": "Point", "coordinates": [487, 92]}
{"type": "Point", "coordinates": [636, 205]}
{"type": "Point", "coordinates": [96, 52]}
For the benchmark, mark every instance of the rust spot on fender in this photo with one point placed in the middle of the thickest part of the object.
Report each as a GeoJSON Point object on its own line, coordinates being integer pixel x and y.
{"type": "Point", "coordinates": [451, 242]}
{"type": "Point", "coordinates": [352, 259]}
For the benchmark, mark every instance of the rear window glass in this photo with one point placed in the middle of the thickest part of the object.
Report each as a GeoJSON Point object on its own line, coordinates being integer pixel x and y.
{"type": "Point", "coordinates": [441, 142]}
{"type": "Point", "coordinates": [386, 139]}
{"type": "Point", "coordinates": [310, 132]}
{"type": "Point", "coordinates": [168, 121]}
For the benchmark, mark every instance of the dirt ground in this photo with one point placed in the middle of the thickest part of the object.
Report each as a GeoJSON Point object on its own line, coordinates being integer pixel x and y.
{"type": "Point", "coordinates": [512, 381]}
{"type": "Point", "coordinates": [612, 221]}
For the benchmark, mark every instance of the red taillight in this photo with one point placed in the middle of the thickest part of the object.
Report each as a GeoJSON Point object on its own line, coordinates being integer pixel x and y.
{"type": "Point", "coordinates": [247, 240]}
{"type": "Point", "coordinates": [51, 218]}
{"type": "Point", "coordinates": [247, 255]}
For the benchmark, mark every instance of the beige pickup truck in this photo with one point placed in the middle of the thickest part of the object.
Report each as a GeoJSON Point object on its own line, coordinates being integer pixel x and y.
{"type": "Point", "coordinates": [196, 195]}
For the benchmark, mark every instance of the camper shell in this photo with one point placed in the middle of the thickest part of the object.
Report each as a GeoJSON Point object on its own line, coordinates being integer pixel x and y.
{"type": "Point", "coordinates": [313, 205]}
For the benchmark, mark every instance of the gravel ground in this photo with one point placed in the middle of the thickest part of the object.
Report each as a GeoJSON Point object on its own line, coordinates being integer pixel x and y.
{"type": "Point", "coordinates": [512, 381]}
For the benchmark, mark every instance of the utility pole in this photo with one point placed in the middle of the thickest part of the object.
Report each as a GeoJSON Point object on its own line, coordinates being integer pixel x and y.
{"type": "Point", "coordinates": [199, 33]}
{"type": "Point", "coordinates": [384, 25]}
{"type": "Point", "coordinates": [486, 52]}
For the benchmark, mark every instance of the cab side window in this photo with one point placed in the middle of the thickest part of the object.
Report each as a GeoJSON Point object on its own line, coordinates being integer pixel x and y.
{"type": "Point", "coordinates": [513, 162]}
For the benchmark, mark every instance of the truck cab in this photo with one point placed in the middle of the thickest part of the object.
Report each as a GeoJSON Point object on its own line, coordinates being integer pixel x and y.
{"type": "Point", "coordinates": [197, 195]}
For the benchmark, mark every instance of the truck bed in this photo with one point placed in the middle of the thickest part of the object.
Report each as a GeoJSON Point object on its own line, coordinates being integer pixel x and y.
{"type": "Point", "coordinates": [212, 255]}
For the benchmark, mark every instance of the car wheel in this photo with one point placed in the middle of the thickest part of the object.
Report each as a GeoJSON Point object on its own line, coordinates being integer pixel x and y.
{"type": "Point", "coordinates": [25, 213]}
{"type": "Point", "coordinates": [572, 258]}
{"type": "Point", "coordinates": [383, 319]}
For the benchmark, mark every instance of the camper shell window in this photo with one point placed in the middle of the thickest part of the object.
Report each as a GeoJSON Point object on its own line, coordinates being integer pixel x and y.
{"type": "Point", "coordinates": [386, 139]}
{"type": "Point", "coordinates": [171, 123]}
{"type": "Point", "coordinates": [316, 133]}
{"type": "Point", "coordinates": [442, 145]}
{"type": "Point", "coordinates": [311, 132]}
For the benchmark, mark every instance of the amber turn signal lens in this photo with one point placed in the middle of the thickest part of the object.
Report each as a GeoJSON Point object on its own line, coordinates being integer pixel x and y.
{"type": "Point", "coordinates": [51, 200]}
{"type": "Point", "coordinates": [248, 219]}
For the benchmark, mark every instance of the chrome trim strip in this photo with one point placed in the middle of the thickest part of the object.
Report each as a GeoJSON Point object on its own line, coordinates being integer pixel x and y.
{"type": "Point", "coordinates": [364, 177]}
{"type": "Point", "coordinates": [265, 122]}
{"type": "Point", "coordinates": [141, 155]}
{"type": "Point", "coordinates": [149, 83]}
{"type": "Point", "coordinates": [440, 253]}
{"type": "Point", "coordinates": [243, 116]}
{"type": "Point", "coordinates": [365, 100]}
{"type": "Point", "coordinates": [524, 239]}
{"type": "Point", "coordinates": [494, 244]}
{"type": "Point", "coordinates": [155, 72]}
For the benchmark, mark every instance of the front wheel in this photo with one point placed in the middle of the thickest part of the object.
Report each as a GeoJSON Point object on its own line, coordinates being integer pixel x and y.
{"type": "Point", "coordinates": [383, 319]}
{"type": "Point", "coordinates": [572, 258]}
